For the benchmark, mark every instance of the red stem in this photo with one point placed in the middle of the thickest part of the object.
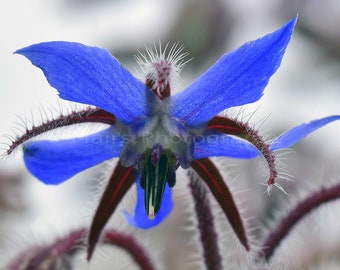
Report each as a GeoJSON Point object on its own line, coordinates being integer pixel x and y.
{"type": "Point", "coordinates": [303, 208]}
{"type": "Point", "coordinates": [129, 243]}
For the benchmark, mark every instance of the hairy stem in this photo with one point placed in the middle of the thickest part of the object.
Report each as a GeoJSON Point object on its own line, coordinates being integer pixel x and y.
{"type": "Point", "coordinates": [294, 216]}
{"type": "Point", "coordinates": [129, 244]}
{"type": "Point", "coordinates": [205, 219]}
{"type": "Point", "coordinates": [56, 256]}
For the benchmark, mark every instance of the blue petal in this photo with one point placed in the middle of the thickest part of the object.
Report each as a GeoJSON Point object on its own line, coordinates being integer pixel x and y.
{"type": "Point", "coordinates": [140, 219]}
{"type": "Point", "coordinates": [237, 78]}
{"type": "Point", "coordinates": [296, 134]}
{"type": "Point", "coordinates": [218, 144]}
{"type": "Point", "coordinates": [90, 75]}
{"type": "Point", "coordinates": [53, 162]}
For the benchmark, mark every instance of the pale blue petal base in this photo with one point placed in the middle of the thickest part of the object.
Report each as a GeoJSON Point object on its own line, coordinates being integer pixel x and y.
{"type": "Point", "coordinates": [140, 219]}
{"type": "Point", "coordinates": [214, 144]}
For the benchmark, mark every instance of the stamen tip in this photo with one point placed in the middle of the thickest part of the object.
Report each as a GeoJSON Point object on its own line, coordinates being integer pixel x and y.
{"type": "Point", "coordinates": [151, 213]}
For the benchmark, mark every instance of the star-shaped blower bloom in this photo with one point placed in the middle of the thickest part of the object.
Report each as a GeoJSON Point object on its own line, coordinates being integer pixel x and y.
{"type": "Point", "coordinates": [152, 132]}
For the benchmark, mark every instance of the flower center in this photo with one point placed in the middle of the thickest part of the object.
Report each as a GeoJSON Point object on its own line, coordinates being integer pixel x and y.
{"type": "Point", "coordinates": [157, 167]}
{"type": "Point", "coordinates": [156, 151]}
{"type": "Point", "coordinates": [161, 144]}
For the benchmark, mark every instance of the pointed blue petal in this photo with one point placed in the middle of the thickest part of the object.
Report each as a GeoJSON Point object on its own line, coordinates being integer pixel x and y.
{"type": "Point", "coordinates": [237, 78]}
{"type": "Point", "coordinates": [214, 144]}
{"type": "Point", "coordinates": [53, 162]}
{"type": "Point", "coordinates": [296, 134]}
{"type": "Point", "coordinates": [90, 75]}
{"type": "Point", "coordinates": [140, 219]}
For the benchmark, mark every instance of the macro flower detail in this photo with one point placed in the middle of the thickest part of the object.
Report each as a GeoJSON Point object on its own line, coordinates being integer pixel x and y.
{"type": "Point", "coordinates": [152, 132]}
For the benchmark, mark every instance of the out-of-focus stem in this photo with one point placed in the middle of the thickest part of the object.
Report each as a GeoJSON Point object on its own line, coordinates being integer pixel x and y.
{"type": "Point", "coordinates": [129, 244]}
{"type": "Point", "coordinates": [205, 219]}
{"type": "Point", "coordinates": [294, 216]}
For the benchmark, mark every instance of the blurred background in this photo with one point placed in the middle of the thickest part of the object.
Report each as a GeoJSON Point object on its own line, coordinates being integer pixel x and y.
{"type": "Point", "coordinates": [306, 87]}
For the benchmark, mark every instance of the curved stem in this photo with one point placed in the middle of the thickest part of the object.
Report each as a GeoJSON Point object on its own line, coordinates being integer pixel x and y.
{"type": "Point", "coordinates": [129, 244]}
{"type": "Point", "coordinates": [53, 256]}
{"type": "Point", "coordinates": [205, 219]}
{"type": "Point", "coordinates": [303, 208]}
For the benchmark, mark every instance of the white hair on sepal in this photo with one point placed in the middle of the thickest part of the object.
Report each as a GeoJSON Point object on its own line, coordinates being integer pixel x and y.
{"type": "Point", "coordinates": [154, 60]}
{"type": "Point", "coordinates": [282, 173]}
{"type": "Point", "coordinates": [185, 225]}
{"type": "Point", "coordinates": [280, 166]}
{"type": "Point", "coordinates": [262, 140]}
{"type": "Point", "coordinates": [52, 123]}
{"type": "Point", "coordinates": [66, 111]}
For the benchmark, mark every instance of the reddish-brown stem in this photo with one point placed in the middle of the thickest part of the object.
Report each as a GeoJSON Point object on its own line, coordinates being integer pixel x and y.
{"type": "Point", "coordinates": [84, 116]}
{"type": "Point", "coordinates": [49, 256]}
{"type": "Point", "coordinates": [205, 219]}
{"type": "Point", "coordinates": [211, 176]}
{"type": "Point", "coordinates": [130, 245]}
{"type": "Point", "coordinates": [120, 182]}
{"type": "Point", "coordinates": [287, 223]}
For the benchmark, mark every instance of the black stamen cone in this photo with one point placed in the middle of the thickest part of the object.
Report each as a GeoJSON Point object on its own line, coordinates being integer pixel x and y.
{"type": "Point", "coordinates": [155, 175]}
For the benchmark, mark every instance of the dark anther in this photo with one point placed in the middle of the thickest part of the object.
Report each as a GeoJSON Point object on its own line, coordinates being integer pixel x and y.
{"type": "Point", "coordinates": [172, 179]}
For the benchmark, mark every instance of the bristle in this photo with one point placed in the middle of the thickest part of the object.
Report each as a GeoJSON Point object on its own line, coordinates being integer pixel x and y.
{"type": "Point", "coordinates": [160, 67]}
{"type": "Point", "coordinates": [88, 114]}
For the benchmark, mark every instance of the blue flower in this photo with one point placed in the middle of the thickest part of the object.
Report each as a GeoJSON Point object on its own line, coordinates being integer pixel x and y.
{"type": "Point", "coordinates": [152, 132]}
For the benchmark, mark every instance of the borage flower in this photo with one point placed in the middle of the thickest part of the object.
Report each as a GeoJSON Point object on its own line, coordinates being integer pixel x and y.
{"type": "Point", "coordinates": [152, 132]}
